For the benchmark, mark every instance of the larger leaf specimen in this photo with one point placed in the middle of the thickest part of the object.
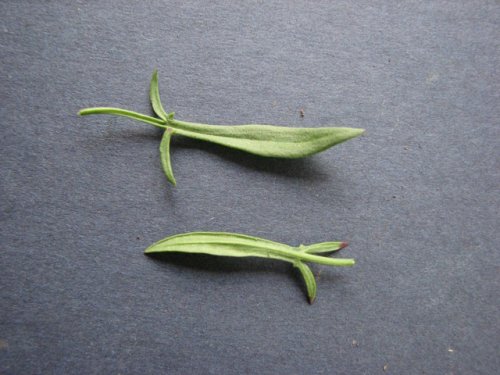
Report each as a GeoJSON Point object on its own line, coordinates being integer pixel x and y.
{"type": "Point", "coordinates": [263, 140]}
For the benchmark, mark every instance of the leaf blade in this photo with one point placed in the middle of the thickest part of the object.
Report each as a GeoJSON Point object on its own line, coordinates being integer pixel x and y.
{"type": "Point", "coordinates": [308, 279]}
{"type": "Point", "coordinates": [323, 247]}
{"type": "Point", "coordinates": [220, 244]}
{"type": "Point", "coordinates": [165, 155]}
{"type": "Point", "coordinates": [239, 245]}
{"type": "Point", "coordinates": [269, 140]}
{"type": "Point", "coordinates": [154, 95]}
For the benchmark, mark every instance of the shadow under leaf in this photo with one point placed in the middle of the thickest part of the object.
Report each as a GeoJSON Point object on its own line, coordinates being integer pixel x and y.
{"type": "Point", "coordinates": [218, 264]}
{"type": "Point", "coordinates": [306, 168]}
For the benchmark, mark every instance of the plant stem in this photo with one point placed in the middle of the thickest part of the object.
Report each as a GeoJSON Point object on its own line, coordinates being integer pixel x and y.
{"type": "Point", "coordinates": [305, 257]}
{"type": "Point", "coordinates": [125, 113]}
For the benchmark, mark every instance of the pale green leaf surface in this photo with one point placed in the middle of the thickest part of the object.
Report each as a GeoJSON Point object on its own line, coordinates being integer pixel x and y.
{"type": "Point", "coordinates": [323, 247]}
{"type": "Point", "coordinates": [268, 140]}
{"type": "Point", "coordinates": [154, 94]}
{"type": "Point", "coordinates": [263, 140]}
{"type": "Point", "coordinates": [238, 245]}
{"type": "Point", "coordinates": [165, 155]}
{"type": "Point", "coordinates": [309, 280]}
{"type": "Point", "coordinates": [221, 244]}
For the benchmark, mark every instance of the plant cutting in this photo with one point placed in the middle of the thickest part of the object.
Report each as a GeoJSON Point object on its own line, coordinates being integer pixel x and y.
{"type": "Point", "coordinates": [240, 245]}
{"type": "Point", "coordinates": [263, 140]}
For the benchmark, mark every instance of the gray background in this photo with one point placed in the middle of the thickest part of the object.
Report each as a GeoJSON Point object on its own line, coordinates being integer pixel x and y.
{"type": "Point", "coordinates": [416, 196]}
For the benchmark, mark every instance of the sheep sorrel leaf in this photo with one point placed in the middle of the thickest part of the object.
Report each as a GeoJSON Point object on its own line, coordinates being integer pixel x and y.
{"type": "Point", "coordinates": [240, 245]}
{"type": "Point", "coordinates": [165, 155]}
{"type": "Point", "coordinates": [262, 140]}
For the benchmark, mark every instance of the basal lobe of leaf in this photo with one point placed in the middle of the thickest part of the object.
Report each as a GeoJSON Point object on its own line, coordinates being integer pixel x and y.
{"type": "Point", "coordinates": [154, 94]}
{"type": "Point", "coordinates": [308, 276]}
{"type": "Point", "coordinates": [165, 155]}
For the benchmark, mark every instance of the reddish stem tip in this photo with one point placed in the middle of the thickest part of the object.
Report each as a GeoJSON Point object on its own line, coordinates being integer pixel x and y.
{"type": "Point", "coordinates": [343, 245]}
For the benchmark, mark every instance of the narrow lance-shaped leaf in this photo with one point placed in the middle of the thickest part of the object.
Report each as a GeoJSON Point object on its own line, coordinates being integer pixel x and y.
{"type": "Point", "coordinates": [268, 140]}
{"type": "Point", "coordinates": [323, 247]}
{"type": "Point", "coordinates": [165, 155]}
{"type": "Point", "coordinates": [239, 245]}
{"type": "Point", "coordinates": [154, 94]}
{"type": "Point", "coordinates": [309, 280]}
{"type": "Point", "coordinates": [263, 140]}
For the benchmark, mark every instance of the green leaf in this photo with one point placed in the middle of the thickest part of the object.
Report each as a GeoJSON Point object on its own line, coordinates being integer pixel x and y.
{"type": "Point", "coordinates": [222, 244]}
{"type": "Point", "coordinates": [323, 247]}
{"type": "Point", "coordinates": [268, 140]}
{"type": "Point", "coordinates": [165, 155]}
{"type": "Point", "coordinates": [309, 280]}
{"type": "Point", "coordinates": [263, 140]}
{"type": "Point", "coordinates": [240, 245]}
{"type": "Point", "coordinates": [154, 94]}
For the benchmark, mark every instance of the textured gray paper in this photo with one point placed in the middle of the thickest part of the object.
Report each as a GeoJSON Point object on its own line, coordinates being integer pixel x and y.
{"type": "Point", "coordinates": [416, 196]}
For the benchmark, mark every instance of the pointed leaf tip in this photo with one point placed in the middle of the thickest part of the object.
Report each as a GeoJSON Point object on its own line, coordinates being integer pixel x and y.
{"type": "Point", "coordinates": [353, 133]}
{"type": "Point", "coordinates": [343, 245]}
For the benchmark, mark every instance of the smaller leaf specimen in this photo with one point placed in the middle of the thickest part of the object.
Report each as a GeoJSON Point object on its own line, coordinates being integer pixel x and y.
{"type": "Point", "coordinates": [240, 245]}
{"type": "Point", "coordinates": [263, 140]}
